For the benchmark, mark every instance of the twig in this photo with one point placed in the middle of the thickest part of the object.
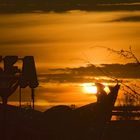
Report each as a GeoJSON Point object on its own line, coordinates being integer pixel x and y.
{"type": "Point", "coordinates": [128, 54]}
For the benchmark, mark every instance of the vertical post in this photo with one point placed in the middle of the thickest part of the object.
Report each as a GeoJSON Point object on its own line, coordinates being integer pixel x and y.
{"type": "Point", "coordinates": [19, 96]}
{"type": "Point", "coordinates": [4, 119]}
{"type": "Point", "coordinates": [32, 96]}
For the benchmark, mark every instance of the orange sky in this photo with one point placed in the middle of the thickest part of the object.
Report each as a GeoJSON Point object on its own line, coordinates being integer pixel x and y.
{"type": "Point", "coordinates": [69, 39]}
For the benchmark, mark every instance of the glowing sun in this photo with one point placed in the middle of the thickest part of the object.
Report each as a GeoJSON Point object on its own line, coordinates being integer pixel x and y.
{"type": "Point", "coordinates": [89, 88]}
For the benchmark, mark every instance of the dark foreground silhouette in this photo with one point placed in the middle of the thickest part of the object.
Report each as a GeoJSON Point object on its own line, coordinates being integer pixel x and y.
{"type": "Point", "coordinates": [88, 122]}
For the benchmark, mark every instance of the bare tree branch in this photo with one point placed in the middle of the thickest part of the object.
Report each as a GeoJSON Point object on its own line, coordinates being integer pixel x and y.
{"type": "Point", "coordinates": [128, 54]}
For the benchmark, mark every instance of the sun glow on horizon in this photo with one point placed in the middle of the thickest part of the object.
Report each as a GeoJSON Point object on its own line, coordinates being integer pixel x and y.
{"type": "Point", "coordinates": [89, 88]}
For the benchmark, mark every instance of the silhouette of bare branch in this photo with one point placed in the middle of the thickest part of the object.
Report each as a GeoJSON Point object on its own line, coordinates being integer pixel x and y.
{"type": "Point", "coordinates": [128, 54]}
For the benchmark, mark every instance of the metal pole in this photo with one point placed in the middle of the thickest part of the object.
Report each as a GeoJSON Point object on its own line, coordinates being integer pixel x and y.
{"type": "Point", "coordinates": [32, 96]}
{"type": "Point", "coordinates": [20, 97]}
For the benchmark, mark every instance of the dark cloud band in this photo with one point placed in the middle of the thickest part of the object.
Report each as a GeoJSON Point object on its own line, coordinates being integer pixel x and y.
{"type": "Point", "coordinates": [22, 6]}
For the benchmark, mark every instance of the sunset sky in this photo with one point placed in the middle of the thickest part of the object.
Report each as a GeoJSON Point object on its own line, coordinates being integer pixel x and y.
{"type": "Point", "coordinates": [70, 38]}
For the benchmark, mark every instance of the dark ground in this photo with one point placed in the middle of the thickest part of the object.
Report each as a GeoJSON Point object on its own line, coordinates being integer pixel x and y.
{"type": "Point", "coordinates": [27, 124]}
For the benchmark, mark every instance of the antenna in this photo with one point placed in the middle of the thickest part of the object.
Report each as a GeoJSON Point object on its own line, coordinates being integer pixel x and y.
{"type": "Point", "coordinates": [29, 76]}
{"type": "Point", "coordinates": [12, 77]}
